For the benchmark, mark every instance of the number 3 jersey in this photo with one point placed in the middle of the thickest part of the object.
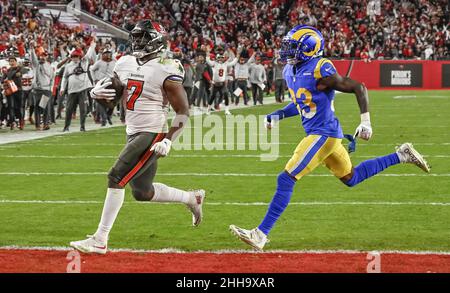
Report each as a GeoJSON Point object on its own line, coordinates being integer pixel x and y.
{"type": "Point", "coordinates": [315, 107]}
{"type": "Point", "coordinates": [146, 102]}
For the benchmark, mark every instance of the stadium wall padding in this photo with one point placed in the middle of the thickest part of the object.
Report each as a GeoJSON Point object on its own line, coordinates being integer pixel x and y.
{"type": "Point", "coordinates": [398, 74]}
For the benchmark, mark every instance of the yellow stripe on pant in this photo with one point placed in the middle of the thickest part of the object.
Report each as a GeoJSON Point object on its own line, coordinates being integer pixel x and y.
{"type": "Point", "coordinates": [314, 150]}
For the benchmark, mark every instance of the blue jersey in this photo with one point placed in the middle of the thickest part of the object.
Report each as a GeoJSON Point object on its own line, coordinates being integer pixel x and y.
{"type": "Point", "coordinates": [315, 107]}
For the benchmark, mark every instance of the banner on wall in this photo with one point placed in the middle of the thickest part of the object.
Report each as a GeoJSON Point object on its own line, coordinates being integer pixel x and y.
{"type": "Point", "coordinates": [397, 74]}
{"type": "Point", "coordinates": [400, 75]}
{"type": "Point", "coordinates": [445, 75]}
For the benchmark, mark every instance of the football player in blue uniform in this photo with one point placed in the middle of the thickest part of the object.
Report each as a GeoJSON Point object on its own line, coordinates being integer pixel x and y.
{"type": "Point", "coordinates": [312, 81]}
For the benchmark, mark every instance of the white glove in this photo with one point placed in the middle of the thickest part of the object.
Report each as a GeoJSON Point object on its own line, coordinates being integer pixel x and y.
{"type": "Point", "coordinates": [364, 129]}
{"type": "Point", "coordinates": [100, 91]}
{"type": "Point", "coordinates": [162, 148]}
{"type": "Point", "coordinates": [269, 125]}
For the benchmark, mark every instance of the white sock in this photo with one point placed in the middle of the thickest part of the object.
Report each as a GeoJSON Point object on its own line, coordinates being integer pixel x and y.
{"type": "Point", "coordinates": [226, 108]}
{"type": "Point", "coordinates": [164, 193]}
{"type": "Point", "coordinates": [113, 203]}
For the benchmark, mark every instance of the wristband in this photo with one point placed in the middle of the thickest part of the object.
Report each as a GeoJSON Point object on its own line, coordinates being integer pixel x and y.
{"type": "Point", "coordinates": [365, 117]}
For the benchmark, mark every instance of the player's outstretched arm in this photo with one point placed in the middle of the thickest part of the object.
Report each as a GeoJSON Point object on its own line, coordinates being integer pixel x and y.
{"type": "Point", "coordinates": [177, 97]}
{"type": "Point", "coordinates": [288, 111]}
{"type": "Point", "coordinates": [348, 85]}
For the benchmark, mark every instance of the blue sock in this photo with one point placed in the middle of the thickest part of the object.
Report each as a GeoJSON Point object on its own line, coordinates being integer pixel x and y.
{"type": "Point", "coordinates": [279, 202]}
{"type": "Point", "coordinates": [372, 167]}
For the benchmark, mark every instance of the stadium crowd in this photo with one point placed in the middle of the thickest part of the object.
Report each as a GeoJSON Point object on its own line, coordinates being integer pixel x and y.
{"type": "Point", "coordinates": [36, 54]}
{"type": "Point", "coordinates": [40, 54]}
{"type": "Point", "coordinates": [388, 29]}
{"type": "Point", "coordinates": [362, 29]}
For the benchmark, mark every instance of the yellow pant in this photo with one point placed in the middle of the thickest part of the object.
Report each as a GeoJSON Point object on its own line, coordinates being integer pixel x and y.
{"type": "Point", "coordinates": [316, 149]}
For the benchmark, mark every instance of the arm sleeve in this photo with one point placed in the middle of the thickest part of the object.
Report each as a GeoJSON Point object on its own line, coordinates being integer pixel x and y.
{"type": "Point", "coordinates": [64, 80]}
{"type": "Point", "coordinates": [251, 60]}
{"type": "Point", "coordinates": [93, 70]}
{"type": "Point", "coordinates": [210, 63]}
{"type": "Point", "coordinates": [288, 111]}
{"type": "Point", "coordinates": [233, 62]}
{"type": "Point", "coordinates": [34, 60]}
{"type": "Point", "coordinates": [206, 75]}
{"type": "Point", "coordinates": [90, 54]}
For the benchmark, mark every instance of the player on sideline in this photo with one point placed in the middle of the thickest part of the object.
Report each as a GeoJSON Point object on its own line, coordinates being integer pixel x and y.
{"type": "Point", "coordinates": [312, 81]}
{"type": "Point", "coordinates": [151, 81]}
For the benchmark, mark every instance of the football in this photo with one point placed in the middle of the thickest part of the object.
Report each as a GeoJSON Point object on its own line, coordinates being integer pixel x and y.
{"type": "Point", "coordinates": [118, 87]}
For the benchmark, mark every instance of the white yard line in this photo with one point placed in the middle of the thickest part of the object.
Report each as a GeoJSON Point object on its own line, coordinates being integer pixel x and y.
{"type": "Point", "coordinates": [230, 251]}
{"type": "Point", "coordinates": [311, 203]}
{"type": "Point", "coordinates": [178, 156]}
{"type": "Point", "coordinates": [193, 145]}
{"type": "Point", "coordinates": [208, 174]}
{"type": "Point", "coordinates": [27, 135]}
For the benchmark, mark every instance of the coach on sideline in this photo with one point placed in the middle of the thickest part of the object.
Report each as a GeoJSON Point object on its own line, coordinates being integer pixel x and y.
{"type": "Point", "coordinates": [241, 74]}
{"type": "Point", "coordinates": [76, 81]}
{"type": "Point", "coordinates": [41, 86]}
{"type": "Point", "coordinates": [101, 69]}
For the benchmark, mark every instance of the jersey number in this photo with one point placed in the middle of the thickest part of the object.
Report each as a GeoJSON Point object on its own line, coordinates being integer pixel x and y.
{"type": "Point", "coordinates": [221, 72]}
{"type": "Point", "coordinates": [307, 101]}
{"type": "Point", "coordinates": [136, 87]}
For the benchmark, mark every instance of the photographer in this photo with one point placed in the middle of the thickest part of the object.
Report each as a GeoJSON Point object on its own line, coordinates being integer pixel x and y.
{"type": "Point", "coordinates": [75, 82]}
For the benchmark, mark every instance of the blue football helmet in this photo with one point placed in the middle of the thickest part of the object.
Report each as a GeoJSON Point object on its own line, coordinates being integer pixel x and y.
{"type": "Point", "coordinates": [301, 44]}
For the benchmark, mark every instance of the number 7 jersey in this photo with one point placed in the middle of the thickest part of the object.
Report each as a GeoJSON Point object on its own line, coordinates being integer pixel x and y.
{"type": "Point", "coordinates": [146, 103]}
{"type": "Point", "coordinates": [315, 107]}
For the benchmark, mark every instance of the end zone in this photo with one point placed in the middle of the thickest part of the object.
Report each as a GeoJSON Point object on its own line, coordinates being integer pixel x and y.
{"type": "Point", "coordinates": [54, 260]}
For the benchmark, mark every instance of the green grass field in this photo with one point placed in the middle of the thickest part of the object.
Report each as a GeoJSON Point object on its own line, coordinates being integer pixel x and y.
{"type": "Point", "coordinates": [383, 213]}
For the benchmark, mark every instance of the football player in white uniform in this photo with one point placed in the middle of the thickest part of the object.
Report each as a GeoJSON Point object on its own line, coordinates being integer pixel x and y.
{"type": "Point", "coordinates": [220, 74]}
{"type": "Point", "coordinates": [151, 81]}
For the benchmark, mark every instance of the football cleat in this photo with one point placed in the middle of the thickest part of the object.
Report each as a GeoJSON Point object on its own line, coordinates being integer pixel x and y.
{"type": "Point", "coordinates": [227, 112]}
{"type": "Point", "coordinates": [90, 245]}
{"type": "Point", "coordinates": [196, 206]}
{"type": "Point", "coordinates": [407, 154]}
{"type": "Point", "coordinates": [255, 237]}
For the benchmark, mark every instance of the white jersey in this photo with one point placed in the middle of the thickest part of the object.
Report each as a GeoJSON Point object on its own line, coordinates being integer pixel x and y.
{"type": "Point", "coordinates": [220, 70]}
{"type": "Point", "coordinates": [27, 79]}
{"type": "Point", "coordinates": [146, 103]}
